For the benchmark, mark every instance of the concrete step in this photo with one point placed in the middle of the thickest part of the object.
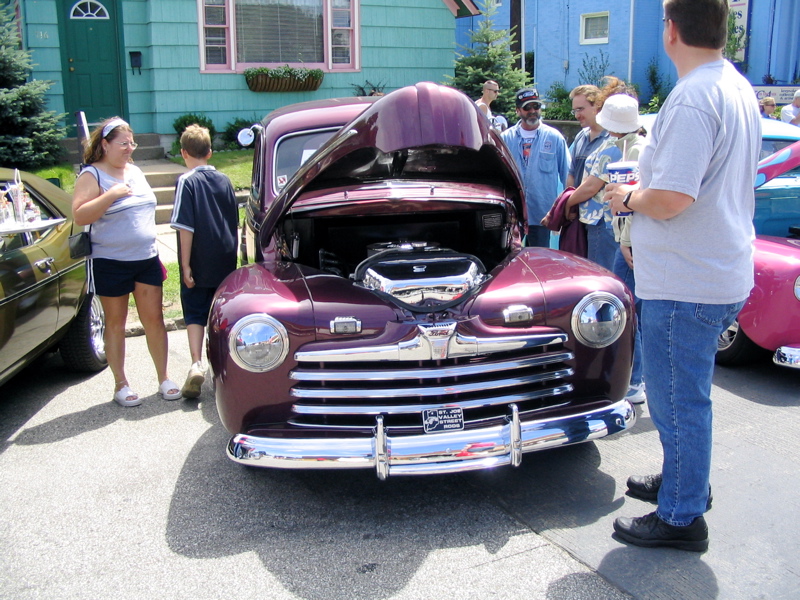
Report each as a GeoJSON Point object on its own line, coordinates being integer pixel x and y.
{"type": "Point", "coordinates": [163, 214]}
{"type": "Point", "coordinates": [162, 175]}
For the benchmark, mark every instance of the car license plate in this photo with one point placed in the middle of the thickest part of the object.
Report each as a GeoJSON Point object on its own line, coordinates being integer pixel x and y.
{"type": "Point", "coordinates": [437, 420]}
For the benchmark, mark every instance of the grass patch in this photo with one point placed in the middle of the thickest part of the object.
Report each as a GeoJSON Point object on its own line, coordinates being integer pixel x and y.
{"type": "Point", "coordinates": [236, 164]}
{"type": "Point", "coordinates": [64, 172]}
{"type": "Point", "coordinates": [172, 293]}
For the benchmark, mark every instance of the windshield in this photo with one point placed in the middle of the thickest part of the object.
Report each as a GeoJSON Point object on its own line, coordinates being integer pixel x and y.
{"type": "Point", "coordinates": [772, 145]}
{"type": "Point", "coordinates": [295, 149]}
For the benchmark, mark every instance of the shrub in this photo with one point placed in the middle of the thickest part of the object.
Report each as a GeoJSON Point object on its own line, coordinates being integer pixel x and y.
{"type": "Point", "coordinates": [181, 123]}
{"type": "Point", "coordinates": [558, 103]}
{"type": "Point", "coordinates": [29, 134]}
{"type": "Point", "coordinates": [233, 128]}
{"type": "Point", "coordinates": [369, 88]}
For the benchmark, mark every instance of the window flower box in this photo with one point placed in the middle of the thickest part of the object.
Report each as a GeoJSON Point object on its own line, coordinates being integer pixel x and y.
{"type": "Point", "coordinates": [283, 79]}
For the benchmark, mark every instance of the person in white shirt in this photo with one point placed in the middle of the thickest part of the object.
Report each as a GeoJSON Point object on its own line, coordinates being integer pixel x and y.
{"type": "Point", "coordinates": [791, 112]}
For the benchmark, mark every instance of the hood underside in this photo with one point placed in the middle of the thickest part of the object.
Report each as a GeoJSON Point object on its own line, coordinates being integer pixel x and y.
{"type": "Point", "coordinates": [425, 132]}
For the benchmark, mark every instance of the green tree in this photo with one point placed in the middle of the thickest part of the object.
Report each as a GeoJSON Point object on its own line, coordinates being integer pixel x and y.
{"type": "Point", "coordinates": [29, 134]}
{"type": "Point", "coordinates": [490, 57]}
{"type": "Point", "coordinates": [736, 42]}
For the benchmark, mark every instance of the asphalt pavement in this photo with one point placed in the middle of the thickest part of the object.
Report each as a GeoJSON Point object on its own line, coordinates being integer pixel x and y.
{"type": "Point", "coordinates": [102, 501]}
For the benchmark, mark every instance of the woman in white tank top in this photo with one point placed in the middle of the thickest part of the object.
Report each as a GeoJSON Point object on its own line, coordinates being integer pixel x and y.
{"type": "Point", "coordinates": [113, 196]}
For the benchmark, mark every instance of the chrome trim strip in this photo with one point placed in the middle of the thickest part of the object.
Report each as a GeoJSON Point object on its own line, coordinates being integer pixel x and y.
{"type": "Point", "coordinates": [516, 436]}
{"type": "Point", "coordinates": [439, 390]}
{"type": "Point", "coordinates": [420, 348]}
{"type": "Point", "coordinates": [448, 452]}
{"type": "Point", "coordinates": [457, 371]}
{"type": "Point", "coordinates": [786, 356]}
{"type": "Point", "coordinates": [403, 409]}
{"type": "Point", "coordinates": [381, 450]}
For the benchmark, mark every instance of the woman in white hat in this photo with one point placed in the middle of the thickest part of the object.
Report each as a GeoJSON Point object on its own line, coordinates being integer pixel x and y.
{"type": "Point", "coordinates": [619, 116]}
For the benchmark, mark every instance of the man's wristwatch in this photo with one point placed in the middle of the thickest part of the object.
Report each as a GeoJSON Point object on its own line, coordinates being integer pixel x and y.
{"type": "Point", "coordinates": [627, 199]}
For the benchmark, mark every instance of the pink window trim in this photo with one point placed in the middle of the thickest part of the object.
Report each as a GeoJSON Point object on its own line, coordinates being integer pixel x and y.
{"type": "Point", "coordinates": [328, 66]}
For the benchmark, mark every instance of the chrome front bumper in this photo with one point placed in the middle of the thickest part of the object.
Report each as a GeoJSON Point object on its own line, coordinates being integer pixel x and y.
{"type": "Point", "coordinates": [435, 453]}
{"type": "Point", "coordinates": [787, 356]}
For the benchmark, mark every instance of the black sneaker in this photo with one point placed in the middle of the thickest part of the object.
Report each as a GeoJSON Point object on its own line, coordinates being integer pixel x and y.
{"type": "Point", "coordinates": [645, 487]}
{"type": "Point", "coordinates": [651, 532]}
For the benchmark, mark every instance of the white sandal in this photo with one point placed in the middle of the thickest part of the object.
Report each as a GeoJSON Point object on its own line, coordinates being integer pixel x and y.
{"type": "Point", "coordinates": [127, 397]}
{"type": "Point", "coordinates": [166, 389]}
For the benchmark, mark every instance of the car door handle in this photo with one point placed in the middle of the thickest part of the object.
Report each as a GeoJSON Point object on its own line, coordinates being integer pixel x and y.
{"type": "Point", "coordinates": [45, 265]}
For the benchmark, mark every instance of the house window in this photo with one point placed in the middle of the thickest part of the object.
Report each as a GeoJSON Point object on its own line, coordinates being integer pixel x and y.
{"type": "Point", "coordinates": [238, 34]}
{"type": "Point", "coordinates": [594, 28]}
{"type": "Point", "coordinates": [88, 10]}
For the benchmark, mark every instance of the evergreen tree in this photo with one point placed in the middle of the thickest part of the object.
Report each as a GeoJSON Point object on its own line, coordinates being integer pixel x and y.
{"type": "Point", "coordinates": [490, 58]}
{"type": "Point", "coordinates": [29, 134]}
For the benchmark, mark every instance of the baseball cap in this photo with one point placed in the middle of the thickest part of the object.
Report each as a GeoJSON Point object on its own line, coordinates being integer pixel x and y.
{"type": "Point", "coordinates": [797, 94]}
{"type": "Point", "coordinates": [526, 95]}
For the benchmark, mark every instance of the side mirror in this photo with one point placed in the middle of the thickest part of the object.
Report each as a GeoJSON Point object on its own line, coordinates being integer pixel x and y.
{"type": "Point", "coordinates": [246, 136]}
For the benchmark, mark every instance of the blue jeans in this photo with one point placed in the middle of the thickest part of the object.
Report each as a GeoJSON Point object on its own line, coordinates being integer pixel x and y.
{"type": "Point", "coordinates": [601, 245]}
{"type": "Point", "coordinates": [679, 341]}
{"type": "Point", "coordinates": [538, 235]}
{"type": "Point", "coordinates": [624, 272]}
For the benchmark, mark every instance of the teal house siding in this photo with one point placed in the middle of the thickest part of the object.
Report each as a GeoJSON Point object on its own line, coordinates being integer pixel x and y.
{"type": "Point", "coordinates": [400, 44]}
{"type": "Point", "coordinates": [40, 34]}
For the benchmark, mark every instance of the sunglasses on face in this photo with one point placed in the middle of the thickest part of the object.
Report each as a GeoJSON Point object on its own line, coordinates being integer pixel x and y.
{"type": "Point", "coordinates": [532, 106]}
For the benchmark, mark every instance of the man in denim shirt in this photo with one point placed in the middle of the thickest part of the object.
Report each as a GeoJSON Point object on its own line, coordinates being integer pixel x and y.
{"type": "Point", "coordinates": [540, 152]}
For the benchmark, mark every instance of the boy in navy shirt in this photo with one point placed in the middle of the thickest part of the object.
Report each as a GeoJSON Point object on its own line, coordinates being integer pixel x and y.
{"type": "Point", "coordinates": [206, 217]}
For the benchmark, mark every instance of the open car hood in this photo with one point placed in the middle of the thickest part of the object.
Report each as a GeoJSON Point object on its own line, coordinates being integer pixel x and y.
{"type": "Point", "coordinates": [426, 132]}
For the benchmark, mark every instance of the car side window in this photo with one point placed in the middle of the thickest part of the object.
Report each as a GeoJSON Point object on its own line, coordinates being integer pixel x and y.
{"type": "Point", "coordinates": [771, 146]}
{"type": "Point", "coordinates": [11, 241]}
{"type": "Point", "coordinates": [293, 150]}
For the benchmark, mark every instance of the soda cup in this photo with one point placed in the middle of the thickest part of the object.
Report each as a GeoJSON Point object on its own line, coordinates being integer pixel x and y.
{"type": "Point", "coordinates": [626, 172]}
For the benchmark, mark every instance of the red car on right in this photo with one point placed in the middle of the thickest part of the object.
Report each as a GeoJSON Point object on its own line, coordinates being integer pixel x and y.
{"type": "Point", "coordinates": [770, 320]}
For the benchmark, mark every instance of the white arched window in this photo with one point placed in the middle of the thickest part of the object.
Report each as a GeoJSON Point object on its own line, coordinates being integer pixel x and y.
{"type": "Point", "coordinates": [88, 9]}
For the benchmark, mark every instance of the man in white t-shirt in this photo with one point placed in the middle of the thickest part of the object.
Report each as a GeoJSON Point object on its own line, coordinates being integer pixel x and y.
{"type": "Point", "coordinates": [692, 242]}
{"type": "Point", "coordinates": [490, 91]}
{"type": "Point", "coordinates": [791, 112]}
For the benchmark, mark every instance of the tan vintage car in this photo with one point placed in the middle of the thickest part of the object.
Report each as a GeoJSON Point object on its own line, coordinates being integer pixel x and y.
{"type": "Point", "coordinates": [44, 303]}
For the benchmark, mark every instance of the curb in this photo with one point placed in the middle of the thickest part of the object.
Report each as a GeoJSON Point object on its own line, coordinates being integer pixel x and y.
{"type": "Point", "coordinates": [135, 328]}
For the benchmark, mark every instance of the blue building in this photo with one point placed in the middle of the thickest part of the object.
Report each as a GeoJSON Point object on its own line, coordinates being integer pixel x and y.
{"type": "Point", "coordinates": [567, 37]}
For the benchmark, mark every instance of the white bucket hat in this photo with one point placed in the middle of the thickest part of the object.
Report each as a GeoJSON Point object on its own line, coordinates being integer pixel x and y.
{"type": "Point", "coordinates": [620, 114]}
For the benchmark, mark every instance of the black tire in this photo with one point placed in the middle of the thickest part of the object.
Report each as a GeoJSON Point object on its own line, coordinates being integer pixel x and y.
{"type": "Point", "coordinates": [735, 348]}
{"type": "Point", "coordinates": [82, 348]}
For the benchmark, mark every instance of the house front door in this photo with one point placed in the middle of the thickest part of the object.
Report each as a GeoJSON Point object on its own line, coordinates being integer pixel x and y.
{"type": "Point", "coordinates": [93, 78]}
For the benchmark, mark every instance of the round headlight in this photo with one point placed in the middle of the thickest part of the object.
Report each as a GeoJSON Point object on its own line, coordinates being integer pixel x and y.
{"type": "Point", "coordinates": [599, 319]}
{"type": "Point", "coordinates": [258, 343]}
{"type": "Point", "coordinates": [797, 288]}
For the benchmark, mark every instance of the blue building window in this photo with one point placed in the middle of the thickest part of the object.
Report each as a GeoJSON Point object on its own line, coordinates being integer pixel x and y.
{"type": "Point", "coordinates": [594, 28]}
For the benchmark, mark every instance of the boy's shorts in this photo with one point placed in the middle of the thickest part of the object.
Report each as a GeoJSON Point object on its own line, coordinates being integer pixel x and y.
{"type": "Point", "coordinates": [119, 277]}
{"type": "Point", "coordinates": [196, 303]}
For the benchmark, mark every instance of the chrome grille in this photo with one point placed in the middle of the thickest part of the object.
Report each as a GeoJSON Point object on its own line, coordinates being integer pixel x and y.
{"type": "Point", "coordinates": [342, 395]}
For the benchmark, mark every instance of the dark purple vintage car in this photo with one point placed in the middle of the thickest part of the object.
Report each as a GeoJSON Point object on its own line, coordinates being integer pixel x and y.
{"type": "Point", "coordinates": [393, 319]}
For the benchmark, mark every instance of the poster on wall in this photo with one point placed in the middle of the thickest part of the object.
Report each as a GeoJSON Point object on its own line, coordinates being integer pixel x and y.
{"type": "Point", "coordinates": [741, 12]}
